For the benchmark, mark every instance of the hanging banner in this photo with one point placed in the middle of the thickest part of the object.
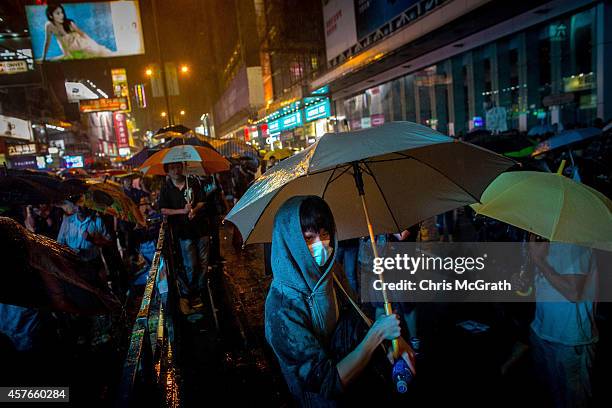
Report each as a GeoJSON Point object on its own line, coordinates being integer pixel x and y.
{"type": "Point", "coordinates": [121, 129]}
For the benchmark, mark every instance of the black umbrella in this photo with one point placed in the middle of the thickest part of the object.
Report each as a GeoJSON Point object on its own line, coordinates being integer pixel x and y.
{"type": "Point", "coordinates": [38, 272]}
{"type": "Point", "coordinates": [193, 141]}
{"type": "Point", "coordinates": [173, 131]}
{"type": "Point", "coordinates": [19, 187]}
{"type": "Point", "coordinates": [19, 191]}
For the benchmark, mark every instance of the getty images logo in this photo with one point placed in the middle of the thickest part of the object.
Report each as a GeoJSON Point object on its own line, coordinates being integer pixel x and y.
{"type": "Point", "coordinates": [412, 264]}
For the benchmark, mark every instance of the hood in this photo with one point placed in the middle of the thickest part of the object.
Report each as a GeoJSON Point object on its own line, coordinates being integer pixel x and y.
{"type": "Point", "coordinates": [292, 262]}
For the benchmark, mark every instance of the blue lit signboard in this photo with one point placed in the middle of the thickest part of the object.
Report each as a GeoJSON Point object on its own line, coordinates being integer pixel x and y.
{"type": "Point", "coordinates": [286, 122]}
{"type": "Point", "coordinates": [274, 126]}
{"type": "Point", "coordinates": [318, 110]}
{"type": "Point", "coordinates": [321, 91]}
{"type": "Point", "coordinates": [291, 121]}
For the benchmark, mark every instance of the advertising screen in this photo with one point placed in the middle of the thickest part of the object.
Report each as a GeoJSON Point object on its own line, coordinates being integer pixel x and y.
{"type": "Point", "coordinates": [85, 30]}
{"type": "Point", "coordinates": [73, 161]}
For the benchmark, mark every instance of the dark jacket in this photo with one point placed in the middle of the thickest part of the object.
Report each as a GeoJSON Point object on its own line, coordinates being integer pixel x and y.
{"type": "Point", "coordinates": [301, 313]}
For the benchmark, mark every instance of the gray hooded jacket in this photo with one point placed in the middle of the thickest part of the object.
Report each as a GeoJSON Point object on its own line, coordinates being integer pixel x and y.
{"type": "Point", "coordinates": [301, 312]}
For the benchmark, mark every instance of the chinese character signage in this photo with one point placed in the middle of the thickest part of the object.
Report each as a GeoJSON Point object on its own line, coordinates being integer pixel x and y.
{"type": "Point", "coordinates": [17, 150]}
{"type": "Point", "coordinates": [121, 130]}
{"type": "Point", "coordinates": [318, 110]}
{"type": "Point", "coordinates": [103, 104]}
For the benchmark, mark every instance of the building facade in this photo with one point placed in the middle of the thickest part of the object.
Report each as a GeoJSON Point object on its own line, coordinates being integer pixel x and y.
{"type": "Point", "coordinates": [504, 68]}
{"type": "Point", "coordinates": [265, 67]}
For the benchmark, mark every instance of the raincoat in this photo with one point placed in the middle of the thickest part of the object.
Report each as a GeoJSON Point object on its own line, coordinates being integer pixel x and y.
{"type": "Point", "coordinates": [302, 310]}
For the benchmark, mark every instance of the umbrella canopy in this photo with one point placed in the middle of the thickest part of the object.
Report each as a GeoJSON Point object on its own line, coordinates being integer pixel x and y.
{"type": "Point", "coordinates": [566, 139]}
{"type": "Point", "coordinates": [234, 148]}
{"type": "Point", "coordinates": [410, 172]}
{"type": "Point", "coordinates": [192, 140]}
{"type": "Point", "coordinates": [131, 175]}
{"type": "Point", "coordinates": [540, 130]}
{"type": "Point", "coordinates": [205, 159]}
{"type": "Point", "coordinates": [38, 272]}
{"type": "Point", "coordinates": [73, 173]}
{"type": "Point", "coordinates": [173, 131]}
{"type": "Point", "coordinates": [16, 190]}
{"type": "Point", "coordinates": [279, 154]}
{"type": "Point", "coordinates": [33, 187]}
{"type": "Point", "coordinates": [550, 205]}
{"type": "Point", "coordinates": [511, 144]}
{"type": "Point", "coordinates": [140, 157]}
{"type": "Point", "coordinates": [109, 198]}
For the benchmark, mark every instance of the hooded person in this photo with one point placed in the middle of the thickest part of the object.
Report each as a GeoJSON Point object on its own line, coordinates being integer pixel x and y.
{"type": "Point", "coordinates": [306, 306]}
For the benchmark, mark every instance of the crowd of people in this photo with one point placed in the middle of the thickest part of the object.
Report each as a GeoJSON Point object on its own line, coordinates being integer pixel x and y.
{"type": "Point", "coordinates": [326, 339]}
{"type": "Point", "coordinates": [116, 255]}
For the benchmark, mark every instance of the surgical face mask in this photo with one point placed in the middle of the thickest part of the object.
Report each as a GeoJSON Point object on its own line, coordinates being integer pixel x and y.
{"type": "Point", "coordinates": [321, 251]}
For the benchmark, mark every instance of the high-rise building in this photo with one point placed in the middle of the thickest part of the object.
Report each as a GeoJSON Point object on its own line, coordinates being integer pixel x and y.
{"type": "Point", "coordinates": [265, 65]}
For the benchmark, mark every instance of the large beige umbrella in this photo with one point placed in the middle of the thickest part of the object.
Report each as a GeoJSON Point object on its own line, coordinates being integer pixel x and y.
{"type": "Point", "coordinates": [410, 173]}
{"type": "Point", "coordinates": [377, 180]}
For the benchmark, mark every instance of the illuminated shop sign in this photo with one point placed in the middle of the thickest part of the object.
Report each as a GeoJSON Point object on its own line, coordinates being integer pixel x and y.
{"type": "Point", "coordinates": [285, 122]}
{"type": "Point", "coordinates": [291, 121]}
{"type": "Point", "coordinates": [321, 91]}
{"type": "Point", "coordinates": [318, 110]}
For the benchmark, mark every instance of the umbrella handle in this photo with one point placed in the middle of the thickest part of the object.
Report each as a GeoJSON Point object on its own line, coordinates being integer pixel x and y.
{"type": "Point", "coordinates": [561, 167]}
{"type": "Point", "coordinates": [359, 184]}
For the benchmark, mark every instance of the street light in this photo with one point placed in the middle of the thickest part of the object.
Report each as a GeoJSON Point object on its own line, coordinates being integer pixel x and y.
{"type": "Point", "coordinates": [184, 69]}
{"type": "Point", "coordinates": [149, 72]}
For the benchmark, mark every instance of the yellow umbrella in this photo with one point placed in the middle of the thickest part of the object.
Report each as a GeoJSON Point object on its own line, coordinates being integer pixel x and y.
{"type": "Point", "coordinates": [550, 205]}
{"type": "Point", "coordinates": [109, 198]}
{"type": "Point", "coordinates": [280, 154]}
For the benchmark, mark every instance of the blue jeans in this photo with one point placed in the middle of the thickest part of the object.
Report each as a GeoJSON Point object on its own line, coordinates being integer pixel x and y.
{"type": "Point", "coordinates": [195, 265]}
{"type": "Point", "coordinates": [565, 371]}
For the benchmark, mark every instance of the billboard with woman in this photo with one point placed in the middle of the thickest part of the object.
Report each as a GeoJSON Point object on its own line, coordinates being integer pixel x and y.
{"type": "Point", "coordinates": [85, 30]}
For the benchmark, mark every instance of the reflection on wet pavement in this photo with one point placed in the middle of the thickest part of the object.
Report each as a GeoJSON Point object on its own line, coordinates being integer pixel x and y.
{"type": "Point", "coordinates": [233, 364]}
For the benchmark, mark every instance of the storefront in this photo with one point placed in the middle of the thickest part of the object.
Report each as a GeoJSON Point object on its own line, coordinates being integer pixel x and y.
{"type": "Point", "coordinates": [545, 73]}
{"type": "Point", "coordinates": [300, 123]}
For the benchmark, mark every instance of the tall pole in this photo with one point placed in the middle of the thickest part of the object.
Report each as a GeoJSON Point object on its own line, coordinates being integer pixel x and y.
{"type": "Point", "coordinates": [161, 65]}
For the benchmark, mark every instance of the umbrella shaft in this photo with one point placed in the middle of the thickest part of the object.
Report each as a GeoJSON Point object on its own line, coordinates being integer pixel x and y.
{"type": "Point", "coordinates": [388, 309]}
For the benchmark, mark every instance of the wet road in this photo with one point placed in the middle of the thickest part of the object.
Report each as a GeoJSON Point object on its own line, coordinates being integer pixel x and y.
{"type": "Point", "coordinates": [231, 364]}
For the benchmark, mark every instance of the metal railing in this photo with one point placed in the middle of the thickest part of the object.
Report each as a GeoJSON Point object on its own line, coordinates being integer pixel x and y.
{"type": "Point", "coordinates": [150, 374]}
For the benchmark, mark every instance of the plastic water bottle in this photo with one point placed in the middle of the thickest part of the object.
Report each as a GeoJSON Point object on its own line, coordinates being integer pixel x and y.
{"type": "Point", "coordinates": [402, 376]}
